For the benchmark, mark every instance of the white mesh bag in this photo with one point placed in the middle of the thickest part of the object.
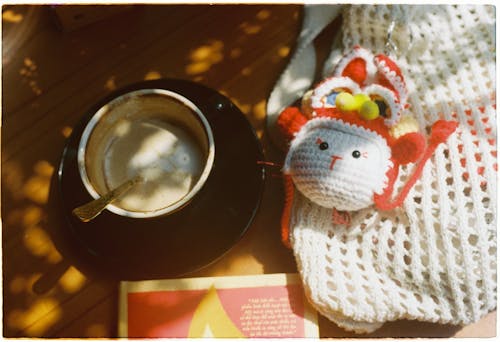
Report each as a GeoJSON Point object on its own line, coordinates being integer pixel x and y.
{"type": "Point", "coordinates": [434, 258]}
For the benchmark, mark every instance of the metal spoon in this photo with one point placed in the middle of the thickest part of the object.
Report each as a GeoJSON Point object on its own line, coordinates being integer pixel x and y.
{"type": "Point", "coordinates": [90, 210]}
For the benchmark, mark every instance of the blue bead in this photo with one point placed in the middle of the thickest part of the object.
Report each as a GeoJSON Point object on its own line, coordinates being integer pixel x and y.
{"type": "Point", "coordinates": [330, 99]}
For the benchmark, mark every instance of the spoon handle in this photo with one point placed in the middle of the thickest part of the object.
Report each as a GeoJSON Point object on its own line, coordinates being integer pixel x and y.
{"type": "Point", "coordinates": [90, 210]}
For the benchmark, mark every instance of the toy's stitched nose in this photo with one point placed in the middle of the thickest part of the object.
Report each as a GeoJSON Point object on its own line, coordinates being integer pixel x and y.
{"type": "Point", "coordinates": [334, 159]}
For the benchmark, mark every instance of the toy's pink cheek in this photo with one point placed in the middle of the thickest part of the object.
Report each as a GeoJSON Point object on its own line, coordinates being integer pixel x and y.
{"type": "Point", "coordinates": [334, 160]}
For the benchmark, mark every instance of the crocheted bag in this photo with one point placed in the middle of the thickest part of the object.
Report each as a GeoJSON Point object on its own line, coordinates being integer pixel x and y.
{"type": "Point", "coordinates": [364, 261]}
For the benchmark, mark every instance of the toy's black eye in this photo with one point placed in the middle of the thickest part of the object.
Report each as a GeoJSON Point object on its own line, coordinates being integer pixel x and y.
{"type": "Point", "coordinates": [323, 146]}
{"type": "Point", "coordinates": [356, 154]}
{"type": "Point", "coordinates": [383, 108]}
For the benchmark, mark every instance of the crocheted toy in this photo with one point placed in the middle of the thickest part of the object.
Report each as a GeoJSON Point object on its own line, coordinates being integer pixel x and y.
{"type": "Point", "coordinates": [350, 137]}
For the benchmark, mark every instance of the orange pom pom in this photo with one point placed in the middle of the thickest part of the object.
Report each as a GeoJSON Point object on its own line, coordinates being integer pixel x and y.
{"type": "Point", "coordinates": [409, 148]}
{"type": "Point", "coordinates": [290, 121]}
{"type": "Point", "coordinates": [356, 70]}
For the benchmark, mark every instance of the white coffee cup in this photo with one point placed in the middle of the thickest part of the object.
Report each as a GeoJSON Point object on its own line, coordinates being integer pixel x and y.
{"type": "Point", "coordinates": [156, 133]}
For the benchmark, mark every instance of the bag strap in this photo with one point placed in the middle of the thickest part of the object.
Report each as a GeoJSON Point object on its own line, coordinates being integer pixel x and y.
{"type": "Point", "coordinates": [299, 74]}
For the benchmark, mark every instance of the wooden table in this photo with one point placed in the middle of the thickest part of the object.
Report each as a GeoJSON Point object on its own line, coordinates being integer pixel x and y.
{"type": "Point", "coordinates": [52, 74]}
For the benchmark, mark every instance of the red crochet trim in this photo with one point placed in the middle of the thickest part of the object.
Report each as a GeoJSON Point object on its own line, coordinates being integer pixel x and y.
{"type": "Point", "coordinates": [290, 121]}
{"type": "Point", "coordinates": [441, 130]}
{"type": "Point", "coordinates": [378, 126]}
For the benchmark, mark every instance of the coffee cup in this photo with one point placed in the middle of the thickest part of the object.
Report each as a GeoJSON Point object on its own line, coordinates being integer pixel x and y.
{"type": "Point", "coordinates": [156, 134]}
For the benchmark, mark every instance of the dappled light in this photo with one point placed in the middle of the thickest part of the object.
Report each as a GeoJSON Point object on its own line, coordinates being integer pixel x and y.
{"type": "Point", "coordinates": [263, 14]}
{"type": "Point", "coordinates": [152, 75]}
{"type": "Point", "coordinates": [28, 320]}
{"type": "Point", "coordinates": [252, 28]}
{"type": "Point", "coordinates": [32, 215]}
{"type": "Point", "coordinates": [10, 16]}
{"type": "Point", "coordinates": [72, 281]}
{"type": "Point", "coordinates": [37, 187]}
{"type": "Point", "coordinates": [246, 71]}
{"type": "Point", "coordinates": [44, 168]}
{"type": "Point", "coordinates": [110, 83]}
{"type": "Point", "coordinates": [49, 319]}
{"type": "Point", "coordinates": [66, 131]}
{"type": "Point", "coordinates": [96, 330]}
{"type": "Point", "coordinates": [28, 221]}
{"type": "Point", "coordinates": [23, 284]}
{"type": "Point", "coordinates": [284, 51]}
{"type": "Point", "coordinates": [258, 118]}
{"type": "Point", "coordinates": [239, 264]}
{"type": "Point", "coordinates": [13, 179]}
{"type": "Point", "coordinates": [29, 73]}
{"type": "Point", "coordinates": [17, 285]}
{"type": "Point", "coordinates": [204, 57]}
{"type": "Point", "coordinates": [17, 23]}
{"type": "Point", "coordinates": [38, 243]}
{"type": "Point", "coordinates": [28, 216]}
{"type": "Point", "coordinates": [249, 28]}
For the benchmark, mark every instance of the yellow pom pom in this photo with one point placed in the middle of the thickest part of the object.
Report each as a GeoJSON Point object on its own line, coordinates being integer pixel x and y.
{"type": "Point", "coordinates": [359, 99]}
{"type": "Point", "coordinates": [369, 110]}
{"type": "Point", "coordinates": [406, 124]}
{"type": "Point", "coordinates": [345, 101]}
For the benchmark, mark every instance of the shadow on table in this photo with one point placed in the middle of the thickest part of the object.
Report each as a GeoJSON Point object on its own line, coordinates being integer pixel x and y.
{"type": "Point", "coordinates": [66, 244]}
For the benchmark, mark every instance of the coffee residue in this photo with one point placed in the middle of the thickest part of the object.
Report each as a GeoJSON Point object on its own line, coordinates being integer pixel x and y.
{"type": "Point", "coordinates": [167, 157]}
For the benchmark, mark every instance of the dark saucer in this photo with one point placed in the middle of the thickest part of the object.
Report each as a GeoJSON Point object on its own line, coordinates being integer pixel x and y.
{"type": "Point", "coordinates": [170, 246]}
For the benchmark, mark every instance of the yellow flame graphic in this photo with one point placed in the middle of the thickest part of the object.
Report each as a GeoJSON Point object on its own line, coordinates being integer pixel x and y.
{"type": "Point", "coordinates": [211, 320]}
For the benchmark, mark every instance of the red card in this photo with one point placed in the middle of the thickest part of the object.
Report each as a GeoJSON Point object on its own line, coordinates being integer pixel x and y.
{"type": "Point", "coordinates": [269, 306]}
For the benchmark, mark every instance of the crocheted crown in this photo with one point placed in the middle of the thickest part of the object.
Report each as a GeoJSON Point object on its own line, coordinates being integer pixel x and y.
{"type": "Point", "coordinates": [350, 135]}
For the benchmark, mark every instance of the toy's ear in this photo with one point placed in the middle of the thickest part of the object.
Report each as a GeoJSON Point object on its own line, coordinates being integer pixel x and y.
{"type": "Point", "coordinates": [358, 65]}
{"type": "Point", "coordinates": [409, 148]}
{"type": "Point", "coordinates": [290, 121]}
{"type": "Point", "coordinates": [390, 76]}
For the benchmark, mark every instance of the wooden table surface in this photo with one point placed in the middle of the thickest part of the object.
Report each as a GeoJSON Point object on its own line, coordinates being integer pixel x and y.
{"type": "Point", "coordinates": [53, 73]}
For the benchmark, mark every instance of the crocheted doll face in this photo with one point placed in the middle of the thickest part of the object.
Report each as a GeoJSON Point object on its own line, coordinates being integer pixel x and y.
{"type": "Point", "coordinates": [338, 165]}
